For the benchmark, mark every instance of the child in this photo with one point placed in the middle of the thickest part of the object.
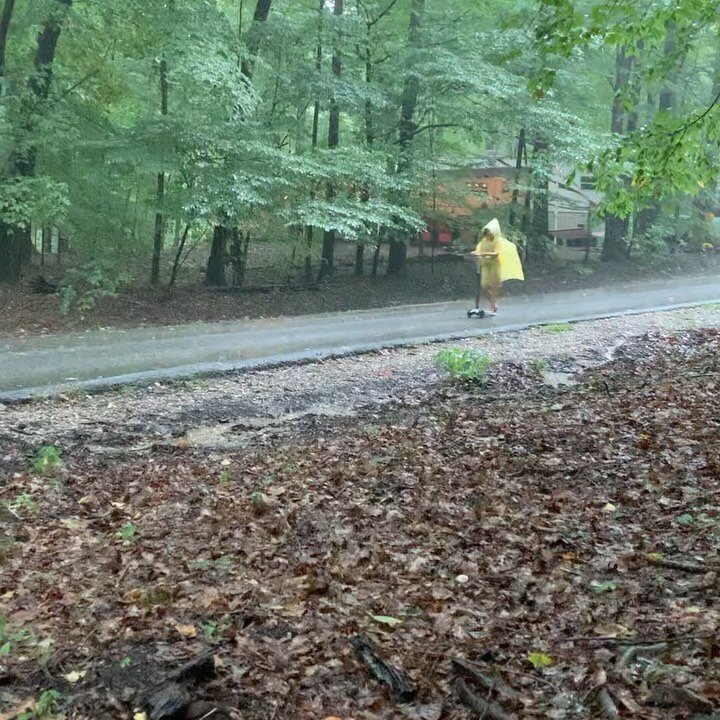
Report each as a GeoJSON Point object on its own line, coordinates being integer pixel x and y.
{"type": "Point", "coordinates": [499, 261]}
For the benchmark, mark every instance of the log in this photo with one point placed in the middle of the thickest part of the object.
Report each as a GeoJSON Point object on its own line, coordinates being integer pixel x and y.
{"type": "Point", "coordinates": [387, 674]}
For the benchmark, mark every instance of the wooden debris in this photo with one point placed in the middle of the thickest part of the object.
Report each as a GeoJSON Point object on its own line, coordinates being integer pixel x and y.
{"type": "Point", "coordinates": [484, 708]}
{"type": "Point", "coordinates": [490, 683]}
{"type": "Point", "coordinates": [664, 695]}
{"type": "Point", "coordinates": [391, 676]}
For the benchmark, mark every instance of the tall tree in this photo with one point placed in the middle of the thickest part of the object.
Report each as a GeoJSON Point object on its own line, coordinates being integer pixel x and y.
{"type": "Point", "coordinates": [328, 248]}
{"type": "Point", "coordinates": [160, 192]}
{"type": "Point", "coordinates": [616, 226]}
{"type": "Point", "coordinates": [5, 20]}
{"type": "Point", "coordinates": [217, 262]}
{"type": "Point", "coordinates": [15, 240]}
{"type": "Point", "coordinates": [407, 129]}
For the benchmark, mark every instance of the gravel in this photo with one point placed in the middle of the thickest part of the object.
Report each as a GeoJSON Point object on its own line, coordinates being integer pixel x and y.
{"type": "Point", "coordinates": [251, 407]}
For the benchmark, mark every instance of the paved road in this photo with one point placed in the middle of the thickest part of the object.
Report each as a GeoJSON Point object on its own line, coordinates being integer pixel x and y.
{"type": "Point", "coordinates": [45, 365]}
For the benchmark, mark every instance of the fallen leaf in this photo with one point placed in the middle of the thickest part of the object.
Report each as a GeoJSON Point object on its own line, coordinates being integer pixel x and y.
{"type": "Point", "coordinates": [612, 630]}
{"type": "Point", "coordinates": [386, 620]}
{"type": "Point", "coordinates": [75, 676]}
{"type": "Point", "coordinates": [540, 660]}
{"type": "Point", "coordinates": [188, 631]}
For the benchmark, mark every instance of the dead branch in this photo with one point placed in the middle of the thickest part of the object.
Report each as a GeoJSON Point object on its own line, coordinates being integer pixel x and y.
{"type": "Point", "coordinates": [688, 567]}
{"type": "Point", "coordinates": [607, 704]}
{"type": "Point", "coordinates": [391, 676]}
{"type": "Point", "coordinates": [608, 640]}
{"type": "Point", "coordinates": [635, 650]}
{"type": "Point", "coordinates": [488, 682]}
{"type": "Point", "coordinates": [482, 707]}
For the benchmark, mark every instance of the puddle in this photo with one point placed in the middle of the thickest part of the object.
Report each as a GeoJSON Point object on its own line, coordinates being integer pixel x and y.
{"type": "Point", "coordinates": [238, 432]}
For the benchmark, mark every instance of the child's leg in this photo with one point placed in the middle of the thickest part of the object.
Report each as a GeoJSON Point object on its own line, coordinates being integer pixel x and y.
{"type": "Point", "coordinates": [490, 293]}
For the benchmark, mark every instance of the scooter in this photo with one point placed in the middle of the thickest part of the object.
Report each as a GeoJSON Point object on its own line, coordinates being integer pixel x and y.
{"type": "Point", "coordinates": [477, 311]}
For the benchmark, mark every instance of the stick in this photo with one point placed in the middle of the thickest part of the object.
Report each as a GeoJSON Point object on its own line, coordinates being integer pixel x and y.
{"type": "Point", "coordinates": [632, 652]}
{"type": "Point", "coordinates": [490, 683]}
{"type": "Point", "coordinates": [607, 704]}
{"type": "Point", "coordinates": [684, 566]}
{"type": "Point", "coordinates": [635, 641]}
{"type": "Point", "coordinates": [395, 679]}
{"type": "Point", "coordinates": [478, 704]}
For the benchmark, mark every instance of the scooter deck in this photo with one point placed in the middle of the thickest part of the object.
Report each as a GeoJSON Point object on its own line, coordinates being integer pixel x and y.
{"type": "Point", "coordinates": [478, 313]}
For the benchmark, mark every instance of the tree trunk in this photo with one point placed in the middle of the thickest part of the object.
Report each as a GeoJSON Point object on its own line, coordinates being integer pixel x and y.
{"type": "Point", "coordinates": [215, 274]}
{"type": "Point", "coordinates": [160, 195]}
{"type": "Point", "coordinates": [262, 10]}
{"type": "Point", "coordinates": [15, 242]}
{"type": "Point", "coordinates": [518, 166]}
{"type": "Point", "coordinates": [178, 256]}
{"type": "Point", "coordinates": [407, 130]}
{"type": "Point", "coordinates": [309, 230]}
{"type": "Point", "coordinates": [328, 249]}
{"type": "Point", "coordinates": [614, 247]}
{"type": "Point", "coordinates": [5, 20]}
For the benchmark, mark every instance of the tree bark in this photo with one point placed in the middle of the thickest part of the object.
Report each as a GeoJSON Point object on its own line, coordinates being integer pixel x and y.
{"type": "Point", "coordinates": [407, 130]}
{"type": "Point", "coordinates": [15, 242]}
{"type": "Point", "coordinates": [328, 250]}
{"type": "Point", "coordinates": [160, 194]}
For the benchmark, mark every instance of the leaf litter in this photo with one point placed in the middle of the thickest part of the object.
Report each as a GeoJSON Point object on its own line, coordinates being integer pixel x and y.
{"type": "Point", "coordinates": [586, 589]}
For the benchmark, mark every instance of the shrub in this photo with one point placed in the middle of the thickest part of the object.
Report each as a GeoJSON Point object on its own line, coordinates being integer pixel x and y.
{"type": "Point", "coordinates": [463, 364]}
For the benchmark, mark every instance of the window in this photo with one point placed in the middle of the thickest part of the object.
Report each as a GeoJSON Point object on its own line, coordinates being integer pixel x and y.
{"type": "Point", "coordinates": [480, 188]}
{"type": "Point", "coordinates": [587, 182]}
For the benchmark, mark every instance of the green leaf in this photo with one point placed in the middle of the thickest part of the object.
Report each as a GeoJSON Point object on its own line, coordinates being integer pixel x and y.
{"type": "Point", "coordinates": [5, 649]}
{"type": "Point", "coordinates": [685, 519]}
{"type": "Point", "coordinates": [540, 660]}
{"type": "Point", "coordinates": [386, 620]}
{"type": "Point", "coordinates": [604, 586]}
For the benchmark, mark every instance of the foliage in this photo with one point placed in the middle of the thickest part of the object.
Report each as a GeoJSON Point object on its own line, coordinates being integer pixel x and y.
{"type": "Point", "coordinates": [464, 364]}
{"type": "Point", "coordinates": [46, 459]}
{"type": "Point", "coordinates": [46, 707]}
{"type": "Point", "coordinates": [83, 287]}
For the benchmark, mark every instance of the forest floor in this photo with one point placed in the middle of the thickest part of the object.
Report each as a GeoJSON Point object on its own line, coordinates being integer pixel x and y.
{"type": "Point", "coordinates": [557, 525]}
{"type": "Point", "coordinates": [453, 278]}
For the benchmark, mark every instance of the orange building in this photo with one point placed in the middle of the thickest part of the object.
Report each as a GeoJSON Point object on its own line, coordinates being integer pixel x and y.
{"type": "Point", "coordinates": [461, 197]}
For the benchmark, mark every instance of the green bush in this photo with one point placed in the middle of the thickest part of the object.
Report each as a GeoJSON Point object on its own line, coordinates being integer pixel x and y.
{"type": "Point", "coordinates": [463, 364]}
{"type": "Point", "coordinates": [84, 286]}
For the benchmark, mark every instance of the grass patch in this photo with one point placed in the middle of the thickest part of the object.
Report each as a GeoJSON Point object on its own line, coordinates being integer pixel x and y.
{"type": "Point", "coordinates": [463, 364]}
{"type": "Point", "coordinates": [557, 328]}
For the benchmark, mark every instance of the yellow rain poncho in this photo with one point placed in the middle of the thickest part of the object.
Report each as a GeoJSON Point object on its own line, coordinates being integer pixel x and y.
{"type": "Point", "coordinates": [506, 266]}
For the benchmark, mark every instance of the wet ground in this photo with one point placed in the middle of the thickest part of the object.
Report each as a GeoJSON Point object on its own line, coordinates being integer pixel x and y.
{"type": "Point", "coordinates": [41, 365]}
